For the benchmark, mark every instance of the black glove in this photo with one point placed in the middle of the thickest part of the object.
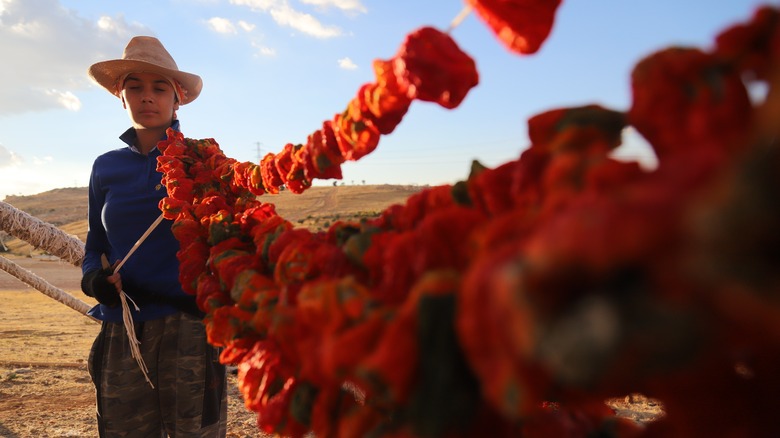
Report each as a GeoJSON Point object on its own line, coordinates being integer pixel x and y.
{"type": "Point", "coordinates": [95, 284]}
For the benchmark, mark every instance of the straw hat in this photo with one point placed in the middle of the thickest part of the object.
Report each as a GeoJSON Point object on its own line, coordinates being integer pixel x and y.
{"type": "Point", "coordinates": [145, 54]}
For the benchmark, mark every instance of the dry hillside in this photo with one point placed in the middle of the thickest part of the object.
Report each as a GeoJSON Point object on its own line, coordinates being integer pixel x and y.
{"type": "Point", "coordinates": [316, 208]}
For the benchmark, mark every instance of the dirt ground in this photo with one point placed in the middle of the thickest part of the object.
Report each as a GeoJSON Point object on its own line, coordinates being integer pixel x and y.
{"type": "Point", "coordinates": [45, 389]}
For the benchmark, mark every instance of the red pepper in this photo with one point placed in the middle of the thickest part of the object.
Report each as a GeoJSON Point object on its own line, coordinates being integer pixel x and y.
{"type": "Point", "coordinates": [318, 161]}
{"type": "Point", "coordinates": [272, 180]}
{"type": "Point", "coordinates": [356, 136]}
{"type": "Point", "coordinates": [687, 101]}
{"type": "Point", "coordinates": [209, 294]}
{"type": "Point", "coordinates": [227, 323]}
{"type": "Point", "coordinates": [248, 175]}
{"type": "Point", "coordinates": [753, 47]}
{"type": "Point", "coordinates": [172, 208]}
{"type": "Point", "coordinates": [192, 263]}
{"type": "Point", "coordinates": [187, 230]}
{"type": "Point", "coordinates": [385, 107]}
{"type": "Point", "coordinates": [432, 68]}
{"type": "Point", "coordinates": [521, 25]}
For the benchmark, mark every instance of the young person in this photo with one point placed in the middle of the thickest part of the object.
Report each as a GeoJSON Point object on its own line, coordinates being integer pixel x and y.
{"type": "Point", "coordinates": [188, 397]}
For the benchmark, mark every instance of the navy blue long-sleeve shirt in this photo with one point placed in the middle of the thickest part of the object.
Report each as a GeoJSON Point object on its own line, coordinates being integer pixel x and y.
{"type": "Point", "coordinates": [124, 193]}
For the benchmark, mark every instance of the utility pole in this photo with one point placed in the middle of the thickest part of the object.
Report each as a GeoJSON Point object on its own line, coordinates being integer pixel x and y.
{"type": "Point", "coordinates": [259, 157]}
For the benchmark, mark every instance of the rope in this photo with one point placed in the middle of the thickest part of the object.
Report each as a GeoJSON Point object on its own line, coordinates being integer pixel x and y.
{"type": "Point", "coordinates": [45, 287]}
{"type": "Point", "coordinates": [41, 234]}
{"type": "Point", "coordinates": [459, 18]}
{"type": "Point", "coordinates": [140, 241]}
{"type": "Point", "coordinates": [53, 240]}
{"type": "Point", "coordinates": [135, 350]}
{"type": "Point", "coordinates": [127, 316]}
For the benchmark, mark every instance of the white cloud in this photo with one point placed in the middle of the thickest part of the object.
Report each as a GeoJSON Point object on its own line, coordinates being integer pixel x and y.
{"type": "Point", "coordinates": [26, 29]}
{"type": "Point", "coordinates": [285, 15]}
{"type": "Point", "coordinates": [263, 50]}
{"type": "Point", "coordinates": [199, 2]}
{"type": "Point", "coordinates": [115, 25]}
{"type": "Point", "coordinates": [66, 99]}
{"type": "Point", "coordinates": [344, 5]}
{"type": "Point", "coordinates": [247, 27]}
{"type": "Point", "coordinates": [225, 26]}
{"type": "Point", "coordinates": [7, 157]}
{"type": "Point", "coordinates": [221, 25]}
{"type": "Point", "coordinates": [258, 5]}
{"type": "Point", "coordinates": [306, 23]}
{"type": "Point", "coordinates": [347, 64]}
{"type": "Point", "coordinates": [19, 176]}
{"type": "Point", "coordinates": [105, 23]}
{"type": "Point", "coordinates": [39, 161]}
{"type": "Point", "coordinates": [47, 49]}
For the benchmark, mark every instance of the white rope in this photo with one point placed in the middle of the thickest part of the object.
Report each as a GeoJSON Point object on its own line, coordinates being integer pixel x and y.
{"type": "Point", "coordinates": [48, 237]}
{"type": "Point", "coordinates": [44, 286]}
{"type": "Point", "coordinates": [53, 240]}
{"type": "Point", "coordinates": [127, 316]}
{"type": "Point", "coordinates": [140, 241]}
{"type": "Point", "coordinates": [459, 18]}
{"type": "Point", "coordinates": [135, 350]}
{"type": "Point", "coordinates": [41, 234]}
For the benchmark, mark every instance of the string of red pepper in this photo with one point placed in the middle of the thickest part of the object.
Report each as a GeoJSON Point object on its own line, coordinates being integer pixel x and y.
{"type": "Point", "coordinates": [515, 302]}
{"type": "Point", "coordinates": [428, 67]}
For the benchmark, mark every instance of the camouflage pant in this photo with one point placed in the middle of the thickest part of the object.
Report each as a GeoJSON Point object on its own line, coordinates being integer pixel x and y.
{"type": "Point", "coordinates": [189, 395]}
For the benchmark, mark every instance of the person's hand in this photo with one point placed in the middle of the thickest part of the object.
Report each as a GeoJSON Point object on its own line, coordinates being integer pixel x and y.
{"type": "Point", "coordinates": [102, 285]}
{"type": "Point", "coordinates": [115, 278]}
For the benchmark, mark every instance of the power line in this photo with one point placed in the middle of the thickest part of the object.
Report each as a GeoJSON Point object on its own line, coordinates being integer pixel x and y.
{"type": "Point", "coordinates": [259, 157]}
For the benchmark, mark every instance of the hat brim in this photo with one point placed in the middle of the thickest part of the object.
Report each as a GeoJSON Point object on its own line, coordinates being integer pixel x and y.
{"type": "Point", "coordinates": [107, 73]}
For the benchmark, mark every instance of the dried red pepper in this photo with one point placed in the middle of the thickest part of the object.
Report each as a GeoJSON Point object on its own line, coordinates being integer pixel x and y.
{"type": "Point", "coordinates": [521, 25]}
{"type": "Point", "coordinates": [687, 99]}
{"type": "Point", "coordinates": [431, 66]}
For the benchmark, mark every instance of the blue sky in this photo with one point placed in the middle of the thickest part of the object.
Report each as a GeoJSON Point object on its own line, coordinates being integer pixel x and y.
{"type": "Point", "coordinates": [274, 70]}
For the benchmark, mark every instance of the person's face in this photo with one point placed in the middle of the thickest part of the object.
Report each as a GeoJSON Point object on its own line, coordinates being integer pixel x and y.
{"type": "Point", "coordinates": [149, 99]}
